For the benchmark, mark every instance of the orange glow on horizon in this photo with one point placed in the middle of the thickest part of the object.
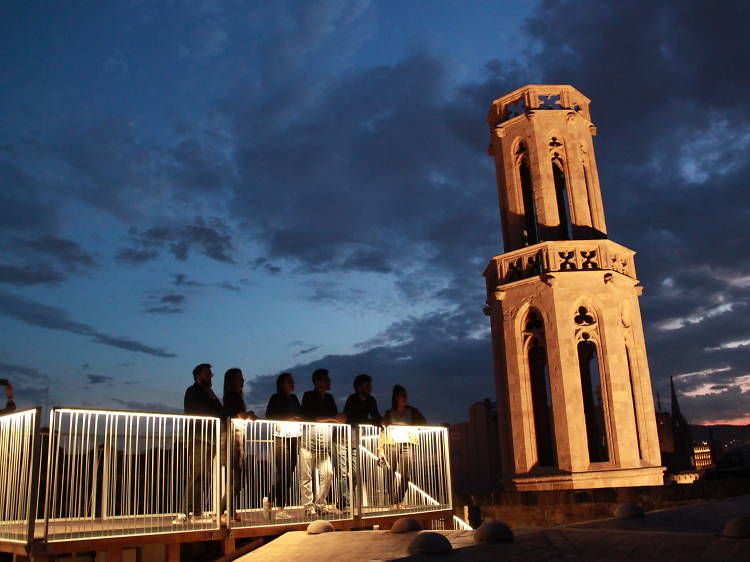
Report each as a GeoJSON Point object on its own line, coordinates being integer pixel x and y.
{"type": "Point", "coordinates": [733, 421]}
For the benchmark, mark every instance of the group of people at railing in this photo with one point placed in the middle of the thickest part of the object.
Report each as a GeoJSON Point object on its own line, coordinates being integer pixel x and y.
{"type": "Point", "coordinates": [317, 449]}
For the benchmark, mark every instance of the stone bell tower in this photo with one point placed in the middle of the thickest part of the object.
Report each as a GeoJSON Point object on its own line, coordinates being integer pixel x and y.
{"type": "Point", "coordinates": [571, 373]}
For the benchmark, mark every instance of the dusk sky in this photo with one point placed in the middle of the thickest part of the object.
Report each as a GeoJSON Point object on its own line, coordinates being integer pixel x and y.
{"type": "Point", "coordinates": [293, 185]}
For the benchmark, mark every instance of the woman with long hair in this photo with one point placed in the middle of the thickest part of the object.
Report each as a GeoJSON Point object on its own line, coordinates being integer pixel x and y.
{"type": "Point", "coordinates": [234, 407]}
{"type": "Point", "coordinates": [395, 447]}
{"type": "Point", "coordinates": [283, 406]}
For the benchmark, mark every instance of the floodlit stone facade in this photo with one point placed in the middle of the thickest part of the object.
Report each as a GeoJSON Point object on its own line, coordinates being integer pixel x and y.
{"type": "Point", "coordinates": [575, 406]}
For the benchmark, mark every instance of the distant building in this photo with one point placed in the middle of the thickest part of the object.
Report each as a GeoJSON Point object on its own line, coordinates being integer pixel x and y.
{"type": "Point", "coordinates": [702, 457]}
{"type": "Point", "coordinates": [475, 450]}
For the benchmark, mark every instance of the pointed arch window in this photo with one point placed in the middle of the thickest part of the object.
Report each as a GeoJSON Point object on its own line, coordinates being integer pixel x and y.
{"type": "Point", "coordinates": [563, 203]}
{"type": "Point", "coordinates": [593, 400]}
{"type": "Point", "coordinates": [541, 393]}
{"type": "Point", "coordinates": [527, 193]}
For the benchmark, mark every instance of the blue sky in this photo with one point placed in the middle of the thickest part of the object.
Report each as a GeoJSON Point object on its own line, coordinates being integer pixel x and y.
{"type": "Point", "coordinates": [290, 185]}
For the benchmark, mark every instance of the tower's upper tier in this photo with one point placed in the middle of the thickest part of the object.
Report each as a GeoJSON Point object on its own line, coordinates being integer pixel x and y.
{"type": "Point", "coordinates": [548, 184]}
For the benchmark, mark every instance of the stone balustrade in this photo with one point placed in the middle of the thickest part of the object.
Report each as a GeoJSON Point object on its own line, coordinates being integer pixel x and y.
{"type": "Point", "coordinates": [563, 255]}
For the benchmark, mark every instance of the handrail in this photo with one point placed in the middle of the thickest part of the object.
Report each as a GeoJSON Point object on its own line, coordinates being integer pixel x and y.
{"type": "Point", "coordinates": [19, 458]}
{"type": "Point", "coordinates": [115, 473]}
{"type": "Point", "coordinates": [403, 469]}
{"type": "Point", "coordinates": [108, 474]}
{"type": "Point", "coordinates": [282, 473]}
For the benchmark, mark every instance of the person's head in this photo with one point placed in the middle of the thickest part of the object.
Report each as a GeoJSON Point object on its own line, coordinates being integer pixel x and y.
{"type": "Point", "coordinates": [399, 398]}
{"type": "Point", "coordinates": [202, 374]}
{"type": "Point", "coordinates": [321, 380]}
{"type": "Point", "coordinates": [233, 381]}
{"type": "Point", "coordinates": [363, 384]}
{"type": "Point", "coordinates": [285, 383]}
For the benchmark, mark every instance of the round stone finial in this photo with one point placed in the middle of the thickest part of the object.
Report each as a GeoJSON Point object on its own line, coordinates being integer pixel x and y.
{"type": "Point", "coordinates": [737, 527]}
{"type": "Point", "coordinates": [318, 527]}
{"type": "Point", "coordinates": [493, 531]}
{"type": "Point", "coordinates": [430, 542]}
{"type": "Point", "coordinates": [629, 511]}
{"type": "Point", "coordinates": [406, 525]}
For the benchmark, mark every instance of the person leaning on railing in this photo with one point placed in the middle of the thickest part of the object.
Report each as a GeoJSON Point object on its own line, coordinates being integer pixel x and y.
{"type": "Point", "coordinates": [234, 407]}
{"type": "Point", "coordinates": [395, 445]}
{"type": "Point", "coordinates": [10, 405]}
{"type": "Point", "coordinates": [361, 408]}
{"type": "Point", "coordinates": [317, 447]}
{"type": "Point", "coordinates": [283, 406]}
{"type": "Point", "coordinates": [200, 400]}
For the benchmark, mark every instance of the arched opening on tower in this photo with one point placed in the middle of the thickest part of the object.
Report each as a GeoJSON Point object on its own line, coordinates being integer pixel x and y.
{"type": "Point", "coordinates": [527, 192]}
{"type": "Point", "coordinates": [563, 203]}
{"type": "Point", "coordinates": [593, 402]}
{"type": "Point", "coordinates": [635, 403]}
{"type": "Point", "coordinates": [541, 397]}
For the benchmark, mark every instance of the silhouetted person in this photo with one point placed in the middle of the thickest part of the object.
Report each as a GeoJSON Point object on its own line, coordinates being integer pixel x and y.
{"type": "Point", "coordinates": [395, 450]}
{"type": "Point", "coordinates": [200, 400]}
{"type": "Point", "coordinates": [318, 406]}
{"type": "Point", "coordinates": [283, 406]}
{"type": "Point", "coordinates": [10, 405]}
{"type": "Point", "coordinates": [234, 407]}
{"type": "Point", "coordinates": [360, 408]}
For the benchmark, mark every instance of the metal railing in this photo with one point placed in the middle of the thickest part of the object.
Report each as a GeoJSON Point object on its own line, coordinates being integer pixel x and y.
{"type": "Point", "coordinates": [110, 474]}
{"type": "Point", "coordinates": [282, 473]}
{"type": "Point", "coordinates": [19, 459]}
{"type": "Point", "coordinates": [403, 469]}
{"type": "Point", "coordinates": [129, 473]}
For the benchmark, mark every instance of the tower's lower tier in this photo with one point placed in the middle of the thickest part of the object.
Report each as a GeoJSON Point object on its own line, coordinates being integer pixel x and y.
{"type": "Point", "coordinates": [614, 478]}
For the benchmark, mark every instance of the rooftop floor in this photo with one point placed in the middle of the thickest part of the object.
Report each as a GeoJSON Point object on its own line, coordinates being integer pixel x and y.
{"type": "Point", "coordinates": [679, 534]}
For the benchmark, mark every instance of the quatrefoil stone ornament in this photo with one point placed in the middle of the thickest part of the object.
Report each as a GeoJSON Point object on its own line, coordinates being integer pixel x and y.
{"type": "Point", "coordinates": [549, 102]}
{"type": "Point", "coordinates": [583, 318]}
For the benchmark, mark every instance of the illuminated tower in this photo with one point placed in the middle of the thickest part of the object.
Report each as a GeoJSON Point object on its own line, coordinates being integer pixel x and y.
{"type": "Point", "coordinates": [571, 373]}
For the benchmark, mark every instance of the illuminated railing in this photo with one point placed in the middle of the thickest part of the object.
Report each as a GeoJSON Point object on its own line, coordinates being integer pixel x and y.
{"type": "Point", "coordinates": [403, 469]}
{"type": "Point", "coordinates": [128, 473]}
{"type": "Point", "coordinates": [301, 470]}
{"type": "Point", "coordinates": [19, 460]}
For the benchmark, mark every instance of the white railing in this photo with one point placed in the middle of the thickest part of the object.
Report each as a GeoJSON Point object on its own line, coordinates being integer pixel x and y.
{"type": "Point", "coordinates": [130, 473]}
{"type": "Point", "coordinates": [282, 473]}
{"type": "Point", "coordinates": [19, 460]}
{"type": "Point", "coordinates": [403, 469]}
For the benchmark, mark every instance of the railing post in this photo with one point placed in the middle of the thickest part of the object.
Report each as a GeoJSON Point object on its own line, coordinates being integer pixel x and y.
{"type": "Point", "coordinates": [36, 467]}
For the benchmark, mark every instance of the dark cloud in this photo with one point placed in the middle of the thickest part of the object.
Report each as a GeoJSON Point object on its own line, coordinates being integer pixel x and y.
{"type": "Point", "coordinates": [443, 375]}
{"type": "Point", "coordinates": [211, 239]}
{"type": "Point", "coordinates": [53, 318]}
{"type": "Point", "coordinates": [228, 286]}
{"type": "Point", "coordinates": [28, 275]}
{"type": "Point", "coordinates": [173, 298]}
{"type": "Point", "coordinates": [307, 350]}
{"type": "Point", "coordinates": [67, 252]}
{"type": "Point", "coordinates": [98, 379]}
{"type": "Point", "coordinates": [9, 370]}
{"type": "Point", "coordinates": [182, 280]}
{"type": "Point", "coordinates": [156, 407]}
{"type": "Point", "coordinates": [265, 265]}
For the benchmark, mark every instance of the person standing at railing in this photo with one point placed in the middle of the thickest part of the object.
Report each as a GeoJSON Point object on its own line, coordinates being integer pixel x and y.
{"type": "Point", "coordinates": [360, 408]}
{"type": "Point", "coordinates": [318, 406]}
{"type": "Point", "coordinates": [234, 407]}
{"type": "Point", "coordinates": [283, 406]}
{"type": "Point", "coordinates": [10, 405]}
{"type": "Point", "coordinates": [395, 447]}
{"type": "Point", "coordinates": [200, 400]}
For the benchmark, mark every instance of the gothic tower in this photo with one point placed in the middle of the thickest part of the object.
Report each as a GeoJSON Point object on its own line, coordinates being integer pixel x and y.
{"type": "Point", "coordinates": [573, 386]}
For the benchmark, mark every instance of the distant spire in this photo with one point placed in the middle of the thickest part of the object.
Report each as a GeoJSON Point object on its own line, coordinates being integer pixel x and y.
{"type": "Point", "coordinates": [659, 407]}
{"type": "Point", "coordinates": [675, 404]}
